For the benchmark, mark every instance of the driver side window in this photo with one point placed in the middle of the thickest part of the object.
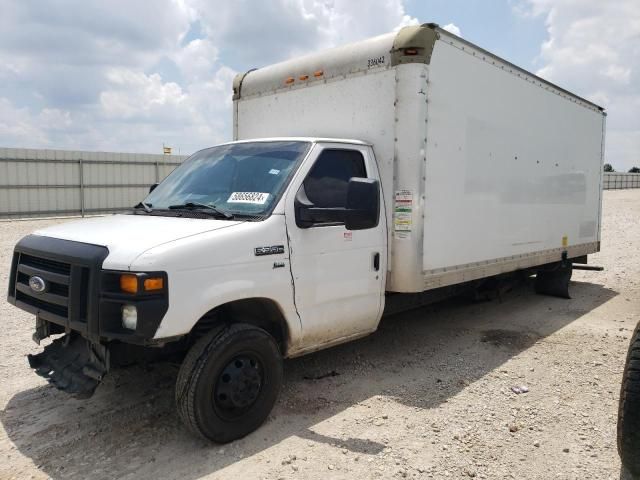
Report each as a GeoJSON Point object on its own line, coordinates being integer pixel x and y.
{"type": "Point", "coordinates": [326, 184]}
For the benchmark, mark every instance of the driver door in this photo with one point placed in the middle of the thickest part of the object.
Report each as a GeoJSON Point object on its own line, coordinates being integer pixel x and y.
{"type": "Point", "coordinates": [338, 275]}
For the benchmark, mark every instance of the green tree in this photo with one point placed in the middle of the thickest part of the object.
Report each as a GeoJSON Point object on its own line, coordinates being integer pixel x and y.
{"type": "Point", "coordinates": [634, 170]}
{"type": "Point", "coordinates": [608, 168]}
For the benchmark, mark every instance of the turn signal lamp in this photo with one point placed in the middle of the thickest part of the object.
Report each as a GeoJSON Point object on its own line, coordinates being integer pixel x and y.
{"type": "Point", "coordinates": [410, 51]}
{"type": "Point", "coordinates": [129, 283]}
{"type": "Point", "coordinates": [154, 283]}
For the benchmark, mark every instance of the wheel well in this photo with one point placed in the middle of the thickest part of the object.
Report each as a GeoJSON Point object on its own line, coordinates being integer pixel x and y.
{"type": "Point", "coordinates": [261, 312]}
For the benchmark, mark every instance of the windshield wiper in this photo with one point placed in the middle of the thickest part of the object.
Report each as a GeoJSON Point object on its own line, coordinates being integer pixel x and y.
{"type": "Point", "coordinates": [146, 206]}
{"type": "Point", "coordinates": [199, 206]}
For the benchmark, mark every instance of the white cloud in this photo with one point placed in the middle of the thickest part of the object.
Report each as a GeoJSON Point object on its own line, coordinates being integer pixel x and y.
{"type": "Point", "coordinates": [124, 75]}
{"type": "Point", "coordinates": [453, 28]}
{"type": "Point", "coordinates": [136, 95]}
{"type": "Point", "coordinates": [18, 126]}
{"type": "Point", "coordinates": [197, 60]}
{"type": "Point", "coordinates": [406, 21]}
{"type": "Point", "coordinates": [259, 33]}
{"type": "Point", "coordinates": [593, 50]}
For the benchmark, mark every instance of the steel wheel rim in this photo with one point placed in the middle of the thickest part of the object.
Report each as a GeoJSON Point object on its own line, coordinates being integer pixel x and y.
{"type": "Point", "coordinates": [238, 385]}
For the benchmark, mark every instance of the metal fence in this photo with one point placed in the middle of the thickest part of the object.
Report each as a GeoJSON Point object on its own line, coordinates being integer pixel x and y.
{"type": "Point", "coordinates": [40, 183]}
{"type": "Point", "coordinates": [615, 181]}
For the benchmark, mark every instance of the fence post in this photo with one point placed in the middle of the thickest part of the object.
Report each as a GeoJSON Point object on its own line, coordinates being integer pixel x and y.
{"type": "Point", "coordinates": [81, 165]}
{"type": "Point", "coordinates": [157, 172]}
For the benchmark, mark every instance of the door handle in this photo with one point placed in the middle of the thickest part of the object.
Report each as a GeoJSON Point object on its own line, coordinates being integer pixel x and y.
{"type": "Point", "coordinates": [376, 261]}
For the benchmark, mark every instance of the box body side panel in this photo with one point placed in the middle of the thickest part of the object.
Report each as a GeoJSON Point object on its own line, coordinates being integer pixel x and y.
{"type": "Point", "coordinates": [512, 168]}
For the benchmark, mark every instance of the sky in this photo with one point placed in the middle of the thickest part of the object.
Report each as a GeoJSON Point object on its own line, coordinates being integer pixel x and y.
{"type": "Point", "coordinates": [132, 75]}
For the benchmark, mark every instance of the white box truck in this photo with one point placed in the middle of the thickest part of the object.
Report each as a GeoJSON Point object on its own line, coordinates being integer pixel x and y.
{"type": "Point", "coordinates": [362, 180]}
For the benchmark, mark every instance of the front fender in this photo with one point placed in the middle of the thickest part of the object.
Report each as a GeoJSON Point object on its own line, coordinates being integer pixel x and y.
{"type": "Point", "coordinates": [209, 270]}
{"type": "Point", "coordinates": [188, 304]}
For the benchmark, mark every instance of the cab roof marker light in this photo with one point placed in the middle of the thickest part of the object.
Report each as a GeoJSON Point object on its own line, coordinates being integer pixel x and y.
{"type": "Point", "coordinates": [289, 80]}
{"type": "Point", "coordinates": [318, 73]}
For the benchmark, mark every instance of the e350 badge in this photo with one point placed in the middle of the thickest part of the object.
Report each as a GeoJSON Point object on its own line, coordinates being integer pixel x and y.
{"type": "Point", "coordinates": [272, 250]}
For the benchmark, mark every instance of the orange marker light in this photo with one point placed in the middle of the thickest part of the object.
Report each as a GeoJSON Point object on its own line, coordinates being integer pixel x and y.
{"type": "Point", "coordinates": [318, 73]}
{"type": "Point", "coordinates": [129, 283]}
{"type": "Point", "coordinates": [304, 77]}
{"type": "Point", "coordinates": [156, 283]}
{"type": "Point", "coordinates": [410, 51]}
{"type": "Point", "coordinates": [289, 80]}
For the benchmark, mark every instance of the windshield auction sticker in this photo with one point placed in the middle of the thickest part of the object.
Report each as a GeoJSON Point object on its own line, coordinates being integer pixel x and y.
{"type": "Point", "coordinates": [402, 213]}
{"type": "Point", "coordinates": [256, 198]}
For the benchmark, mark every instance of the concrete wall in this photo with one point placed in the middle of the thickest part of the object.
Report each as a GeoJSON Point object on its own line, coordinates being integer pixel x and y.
{"type": "Point", "coordinates": [40, 183]}
{"type": "Point", "coordinates": [615, 181]}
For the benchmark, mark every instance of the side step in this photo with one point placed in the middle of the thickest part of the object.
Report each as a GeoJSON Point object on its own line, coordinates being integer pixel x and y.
{"type": "Point", "coordinates": [72, 364]}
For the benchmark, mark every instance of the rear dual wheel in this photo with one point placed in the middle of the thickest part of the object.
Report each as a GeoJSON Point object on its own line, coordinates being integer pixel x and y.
{"type": "Point", "coordinates": [229, 382]}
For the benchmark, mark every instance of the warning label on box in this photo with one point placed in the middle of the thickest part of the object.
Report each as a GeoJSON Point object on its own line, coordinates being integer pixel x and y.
{"type": "Point", "coordinates": [402, 213]}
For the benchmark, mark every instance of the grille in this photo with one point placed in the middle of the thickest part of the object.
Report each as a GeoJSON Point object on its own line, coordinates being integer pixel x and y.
{"type": "Point", "coordinates": [65, 297]}
{"type": "Point", "coordinates": [43, 305]}
{"type": "Point", "coordinates": [45, 264]}
{"type": "Point", "coordinates": [55, 288]}
{"type": "Point", "coordinates": [71, 272]}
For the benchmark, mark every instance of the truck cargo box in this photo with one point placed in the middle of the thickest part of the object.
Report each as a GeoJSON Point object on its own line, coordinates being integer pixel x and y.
{"type": "Point", "coordinates": [485, 167]}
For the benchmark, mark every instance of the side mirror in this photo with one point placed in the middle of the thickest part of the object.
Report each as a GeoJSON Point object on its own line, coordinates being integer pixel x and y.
{"type": "Point", "coordinates": [303, 207]}
{"type": "Point", "coordinates": [153, 187]}
{"type": "Point", "coordinates": [362, 210]}
{"type": "Point", "coordinates": [363, 204]}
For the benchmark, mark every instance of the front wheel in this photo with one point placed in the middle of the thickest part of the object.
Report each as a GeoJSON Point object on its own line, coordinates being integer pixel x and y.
{"type": "Point", "coordinates": [229, 382]}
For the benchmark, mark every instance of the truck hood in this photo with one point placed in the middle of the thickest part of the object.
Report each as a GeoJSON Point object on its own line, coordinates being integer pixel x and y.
{"type": "Point", "coordinates": [129, 236]}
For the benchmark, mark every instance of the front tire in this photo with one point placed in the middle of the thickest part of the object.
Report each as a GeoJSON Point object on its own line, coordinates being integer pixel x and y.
{"type": "Point", "coordinates": [629, 410]}
{"type": "Point", "coordinates": [229, 382]}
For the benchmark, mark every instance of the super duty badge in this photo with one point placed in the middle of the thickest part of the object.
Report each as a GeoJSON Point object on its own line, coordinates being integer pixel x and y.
{"type": "Point", "coordinates": [272, 250]}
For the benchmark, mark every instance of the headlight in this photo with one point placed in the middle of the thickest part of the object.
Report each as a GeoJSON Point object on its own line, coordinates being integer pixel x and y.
{"type": "Point", "coordinates": [129, 317]}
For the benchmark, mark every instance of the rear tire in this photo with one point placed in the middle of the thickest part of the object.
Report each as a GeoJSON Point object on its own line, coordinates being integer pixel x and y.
{"type": "Point", "coordinates": [229, 382]}
{"type": "Point", "coordinates": [629, 410]}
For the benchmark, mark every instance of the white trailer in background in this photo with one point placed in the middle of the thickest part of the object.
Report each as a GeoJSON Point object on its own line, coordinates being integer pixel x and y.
{"type": "Point", "coordinates": [363, 180]}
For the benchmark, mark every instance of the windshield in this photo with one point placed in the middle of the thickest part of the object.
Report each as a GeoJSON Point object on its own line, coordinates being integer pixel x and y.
{"type": "Point", "coordinates": [244, 179]}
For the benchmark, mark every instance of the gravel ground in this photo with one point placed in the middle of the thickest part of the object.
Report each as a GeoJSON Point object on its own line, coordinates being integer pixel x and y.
{"type": "Point", "coordinates": [427, 396]}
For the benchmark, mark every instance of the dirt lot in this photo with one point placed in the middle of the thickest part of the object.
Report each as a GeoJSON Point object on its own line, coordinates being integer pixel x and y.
{"type": "Point", "coordinates": [427, 396]}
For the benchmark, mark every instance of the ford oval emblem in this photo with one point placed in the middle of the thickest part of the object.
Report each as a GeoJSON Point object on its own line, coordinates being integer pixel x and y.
{"type": "Point", "coordinates": [37, 284]}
